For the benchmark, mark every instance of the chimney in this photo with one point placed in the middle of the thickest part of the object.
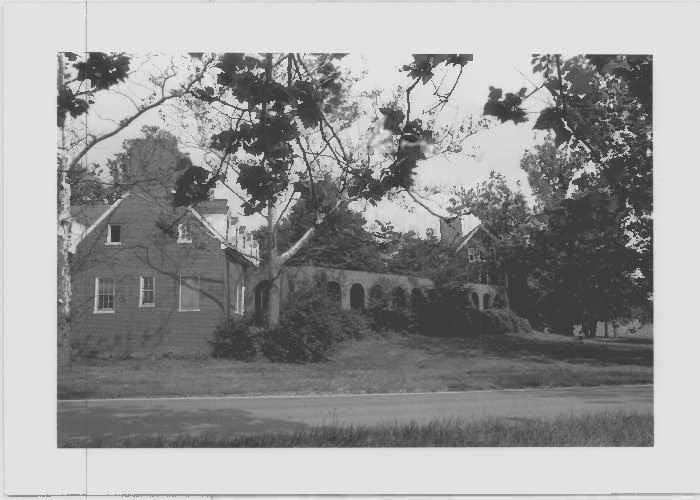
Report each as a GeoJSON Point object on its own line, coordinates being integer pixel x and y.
{"type": "Point", "coordinates": [451, 231]}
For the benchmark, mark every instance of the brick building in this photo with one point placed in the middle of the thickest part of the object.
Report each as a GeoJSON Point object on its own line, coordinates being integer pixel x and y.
{"type": "Point", "coordinates": [150, 279]}
{"type": "Point", "coordinates": [488, 284]}
{"type": "Point", "coordinates": [153, 280]}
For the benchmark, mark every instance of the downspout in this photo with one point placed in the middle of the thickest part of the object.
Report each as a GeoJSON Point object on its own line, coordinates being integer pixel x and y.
{"type": "Point", "coordinates": [227, 285]}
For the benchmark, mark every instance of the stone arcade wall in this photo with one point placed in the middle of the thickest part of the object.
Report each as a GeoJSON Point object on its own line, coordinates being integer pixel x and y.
{"type": "Point", "coordinates": [345, 278]}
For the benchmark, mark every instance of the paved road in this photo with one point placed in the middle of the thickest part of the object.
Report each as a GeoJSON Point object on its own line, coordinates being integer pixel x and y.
{"type": "Point", "coordinates": [230, 415]}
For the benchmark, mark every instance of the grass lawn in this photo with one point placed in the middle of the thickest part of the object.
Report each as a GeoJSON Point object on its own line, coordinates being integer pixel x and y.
{"type": "Point", "coordinates": [389, 363]}
{"type": "Point", "coordinates": [600, 429]}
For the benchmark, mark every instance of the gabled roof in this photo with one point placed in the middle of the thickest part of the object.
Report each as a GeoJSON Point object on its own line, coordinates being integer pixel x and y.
{"type": "Point", "coordinates": [86, 215]}
{"type": "Point", "coordinates": [98, 220]}
{"type": "Point", "coordinates": [471, 234]}
{"type": "Point", "coordinates": [87, 212]}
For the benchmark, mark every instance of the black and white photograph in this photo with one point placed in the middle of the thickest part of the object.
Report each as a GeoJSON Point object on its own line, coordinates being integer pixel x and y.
{"type": "Point", "coordinates": [296, 249]}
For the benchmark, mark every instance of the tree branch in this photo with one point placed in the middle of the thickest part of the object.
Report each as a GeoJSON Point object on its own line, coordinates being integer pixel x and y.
{"type": "Point", "coordinates": [128, 121]}
{"type": "Point", "coordinates": [432, 207]}
{"type": "Point", "coordinates": [294, 249]}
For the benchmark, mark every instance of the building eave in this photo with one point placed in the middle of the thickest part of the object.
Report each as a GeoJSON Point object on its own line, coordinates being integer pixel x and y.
{"type": "Point", "coordinates": [97, 222]}
{"type": "Point", "coordinates": [471, 234]}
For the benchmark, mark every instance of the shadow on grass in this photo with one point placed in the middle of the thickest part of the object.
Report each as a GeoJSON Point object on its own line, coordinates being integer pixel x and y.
{"type": "Point", "coordinates": [523, 347]}
{"type": "Point", "coordinates": [82, 425]}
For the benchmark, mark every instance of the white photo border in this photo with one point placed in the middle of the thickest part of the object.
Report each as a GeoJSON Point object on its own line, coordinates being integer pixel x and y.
{"type": "Point", "coordinates": [33, 33]}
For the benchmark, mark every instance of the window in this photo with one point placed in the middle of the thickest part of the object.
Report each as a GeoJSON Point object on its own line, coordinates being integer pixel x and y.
{"type": "Point", "coordinates": [184, 233]}
{"type": "Point", "coordinates": [492, 252]}
{"type": "Point", "coordinates": [104, 295]}
{"type": "Point", "coordinates": [473, 254]}
{"type": "Point", "coordinates": [189, 293]}
{"type": "Point", "coordinates": [239, 299]}
{"type": "Point", "coordinates": [114, 234]}
{"type": "Point", "coordinates": [147, 293]}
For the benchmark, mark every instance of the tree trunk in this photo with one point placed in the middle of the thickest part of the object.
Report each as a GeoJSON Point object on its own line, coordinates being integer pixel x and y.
{"type": "Point", "coordinates": [273, 263]}
{"type": "Point", "coordinates": [65, 288]}
{"type": "Point", "coordinates": [65, 282]}
{"type": "Point", "coordinates": [273, 268]}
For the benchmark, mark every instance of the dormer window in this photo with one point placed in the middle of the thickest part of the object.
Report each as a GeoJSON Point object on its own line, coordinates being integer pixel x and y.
{"type": "Point", "coordinates": [184, 233]}
{"type": "Point", "coordinates": [114, 234]}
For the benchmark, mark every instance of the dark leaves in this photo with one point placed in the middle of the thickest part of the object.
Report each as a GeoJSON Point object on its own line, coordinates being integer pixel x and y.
{"type": "Point", "coordinates": [393, 118]}
{"type": "Point", "coordinates": [262, 184]}
{"type": "Point", "coordinates": [307, 101]}
{"type": "Point", "coordinates": [423, 64]}
{"type": "Point", "coordinates": [67, 103]}
{"type": "Point", "coordinates": [505, 108]}
{"type": "Point", "coordinates": [103, 70]}
{"type": "Point", "coordinates": [552, 119]}
{"type": "Point", "coordinates": [459, 59]}
{"type": "Point", "coordinates": [193, 186]}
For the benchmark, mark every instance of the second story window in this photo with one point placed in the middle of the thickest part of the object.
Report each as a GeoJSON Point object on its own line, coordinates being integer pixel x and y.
{"type": "Point", "coordinates": [473, 254]}
{"type": "Point", "coordinates": [492, 252]}
{"type": "Point", "coordinates": [114, 234]}
{"type": "Point", "coordinates": [184, 233]}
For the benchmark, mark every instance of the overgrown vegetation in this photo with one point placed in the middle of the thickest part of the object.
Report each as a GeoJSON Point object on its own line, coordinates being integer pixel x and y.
{"type": "Point", "coordinates": [235, 339]}
{"type": "Point", "coordinates": [600, 429]}
{"type": "Point", "coordinates": [311, 324]}
{"type": "Point", "coordinates": [449, 311]}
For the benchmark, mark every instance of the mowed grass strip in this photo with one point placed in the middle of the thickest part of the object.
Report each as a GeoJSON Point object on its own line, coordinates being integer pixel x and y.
{"type": "Point", "coordinates": [379, 364]}
{"type": "Point", "coordinates": [599, 429]}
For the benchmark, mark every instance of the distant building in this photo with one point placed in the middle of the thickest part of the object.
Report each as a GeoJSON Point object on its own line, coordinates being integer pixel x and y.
{"type": "Point", "coordinates": [488, 285]}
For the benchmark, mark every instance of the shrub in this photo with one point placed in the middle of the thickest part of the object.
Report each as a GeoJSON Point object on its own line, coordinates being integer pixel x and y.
{"type": "Point", "coordinates": [310, 324]}
{"type": "Point", "coordinates": [499, 321]}
{"type": "Point", "coordinates": [388, 310]}
{"type": "Point", "coordinates": [235, 339]}
{"type": "Point", "coordinates": [451, 313]}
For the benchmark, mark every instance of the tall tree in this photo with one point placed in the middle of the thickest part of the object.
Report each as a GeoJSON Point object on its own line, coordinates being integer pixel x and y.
{"type": "Point", "coordinates": [594, 182]}
{"type": "Point", "coordinates": [284, 135]}
{"type": "Point", "coordinates": [502, 210]}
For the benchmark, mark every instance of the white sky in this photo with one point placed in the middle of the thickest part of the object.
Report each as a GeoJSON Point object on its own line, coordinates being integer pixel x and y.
{"type": "Point", "coordinates": [500, 148]}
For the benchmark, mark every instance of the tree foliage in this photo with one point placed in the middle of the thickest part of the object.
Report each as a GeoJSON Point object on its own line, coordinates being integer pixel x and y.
{"type": "Point", "coordinates": [99, 71]}
{"type": "Point", "coordinates": [342, 241]}
{"type": "Point", "coordinates": [592, 258]}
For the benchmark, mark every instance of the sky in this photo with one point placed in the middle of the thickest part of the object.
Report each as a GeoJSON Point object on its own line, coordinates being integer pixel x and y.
{"type": "Point", "coordinates": [499, 148]}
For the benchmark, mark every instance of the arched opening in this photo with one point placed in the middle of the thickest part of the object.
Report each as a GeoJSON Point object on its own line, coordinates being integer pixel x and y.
{"type": "Point", "coordinates": [475, 300]}
{"type": "Point", "coordinates": [357, 297]}
{"type": "Point", "coordinates": [398, 298]}
{"type": "Point", "coordinates": [262, 298]}
{"type": "Point", "coordinates": [417, 298]}
{"type": "Point", "coordinates": [487, 301]}
{"type": "Point", "coordinates": [333, 288]}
